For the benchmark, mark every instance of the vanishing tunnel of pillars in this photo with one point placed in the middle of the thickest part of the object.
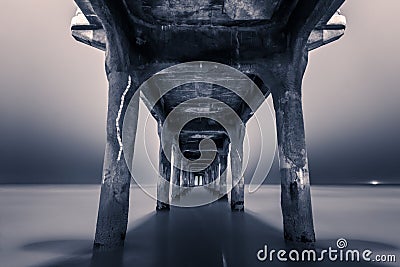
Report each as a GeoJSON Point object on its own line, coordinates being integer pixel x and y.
{"type": "Point", "coordinates": [295, 197]}
{"type": "Point", "coordinates": [212, 177]}
{"type": "Point", "coordinates": [281, 44]}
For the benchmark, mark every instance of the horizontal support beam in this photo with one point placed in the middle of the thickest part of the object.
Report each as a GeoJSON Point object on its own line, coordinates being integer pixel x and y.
{"type": "Point", "coordinates": [86, 27]}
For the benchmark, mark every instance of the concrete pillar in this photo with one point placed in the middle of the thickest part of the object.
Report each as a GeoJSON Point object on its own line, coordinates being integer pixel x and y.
{"type": "Point", "coordinates": [191, 178]}
{"type": "Point", "coordinates": [216, 174]}
{"type": "Point", "coordinates": [237, 193]}
{"type": "Point", "coordinates": [163, 182]}
{"type": "Point", "coordinates": [295, 183]}
{"type": "Point", "coordinates": [123, 81]}
{"type": "Point", "coordinates": [113, 210]}
{"type": "Point", "coordinates": [206, 176]}
{"type": "Point", "coordinates": [185, 178]}
{"type": "Point", "coordinates": [176, 178]}
{"type": "Point", "coordinates": [211, 173]}
{"type": "Point", "coordinates": [222, 173]}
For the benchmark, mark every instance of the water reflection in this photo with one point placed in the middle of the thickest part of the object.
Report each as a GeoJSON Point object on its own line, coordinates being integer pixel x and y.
{"type": "Point", "coordinates": [211, 235]}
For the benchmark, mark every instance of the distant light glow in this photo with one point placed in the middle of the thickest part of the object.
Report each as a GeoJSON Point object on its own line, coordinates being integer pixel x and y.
{"type": "Point", "coordinates": [374, 182]}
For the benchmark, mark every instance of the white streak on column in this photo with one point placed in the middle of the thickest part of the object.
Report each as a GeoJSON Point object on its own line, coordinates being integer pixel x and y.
{"type": "Point", "coordinates": [119, 117]}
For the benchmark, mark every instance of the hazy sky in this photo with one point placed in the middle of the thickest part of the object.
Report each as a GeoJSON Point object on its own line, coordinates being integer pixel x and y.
{"type": "Point", "coordinates": [53, 98]}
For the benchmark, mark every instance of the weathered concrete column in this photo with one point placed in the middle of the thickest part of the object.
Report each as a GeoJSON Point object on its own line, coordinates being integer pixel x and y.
{"type": "Point", "coordinates": [123, 82]}
{"type": "Point", "coordinates": [212, 172]}
{"type": "Point", "coordinates": [206, 176]}
{"type": "Point", "coordinates": [216, 185]}
{"type": "Point", "coordinates": [209, 172]}
{"type": "Point", "coordinates": [222, 173]}
{"type": "Point", "coordinates": [191, 179]}
{"type": "Point", "coordinates": [163, 182]}
{"type": "Point", "coordinates": [237, 193]}
{"type": "Point", "coordinates": [176, 178]}
{"type": "Point", "coordinates": [114, 198]}
{"type": "Point", "coordinates": [185, 178]}
{"type": "Point", "coordinates": [295, 184]}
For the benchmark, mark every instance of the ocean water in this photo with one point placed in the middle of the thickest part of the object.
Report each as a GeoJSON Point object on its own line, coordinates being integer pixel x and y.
{"type": "Point", "coordinates": [54, 226]}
